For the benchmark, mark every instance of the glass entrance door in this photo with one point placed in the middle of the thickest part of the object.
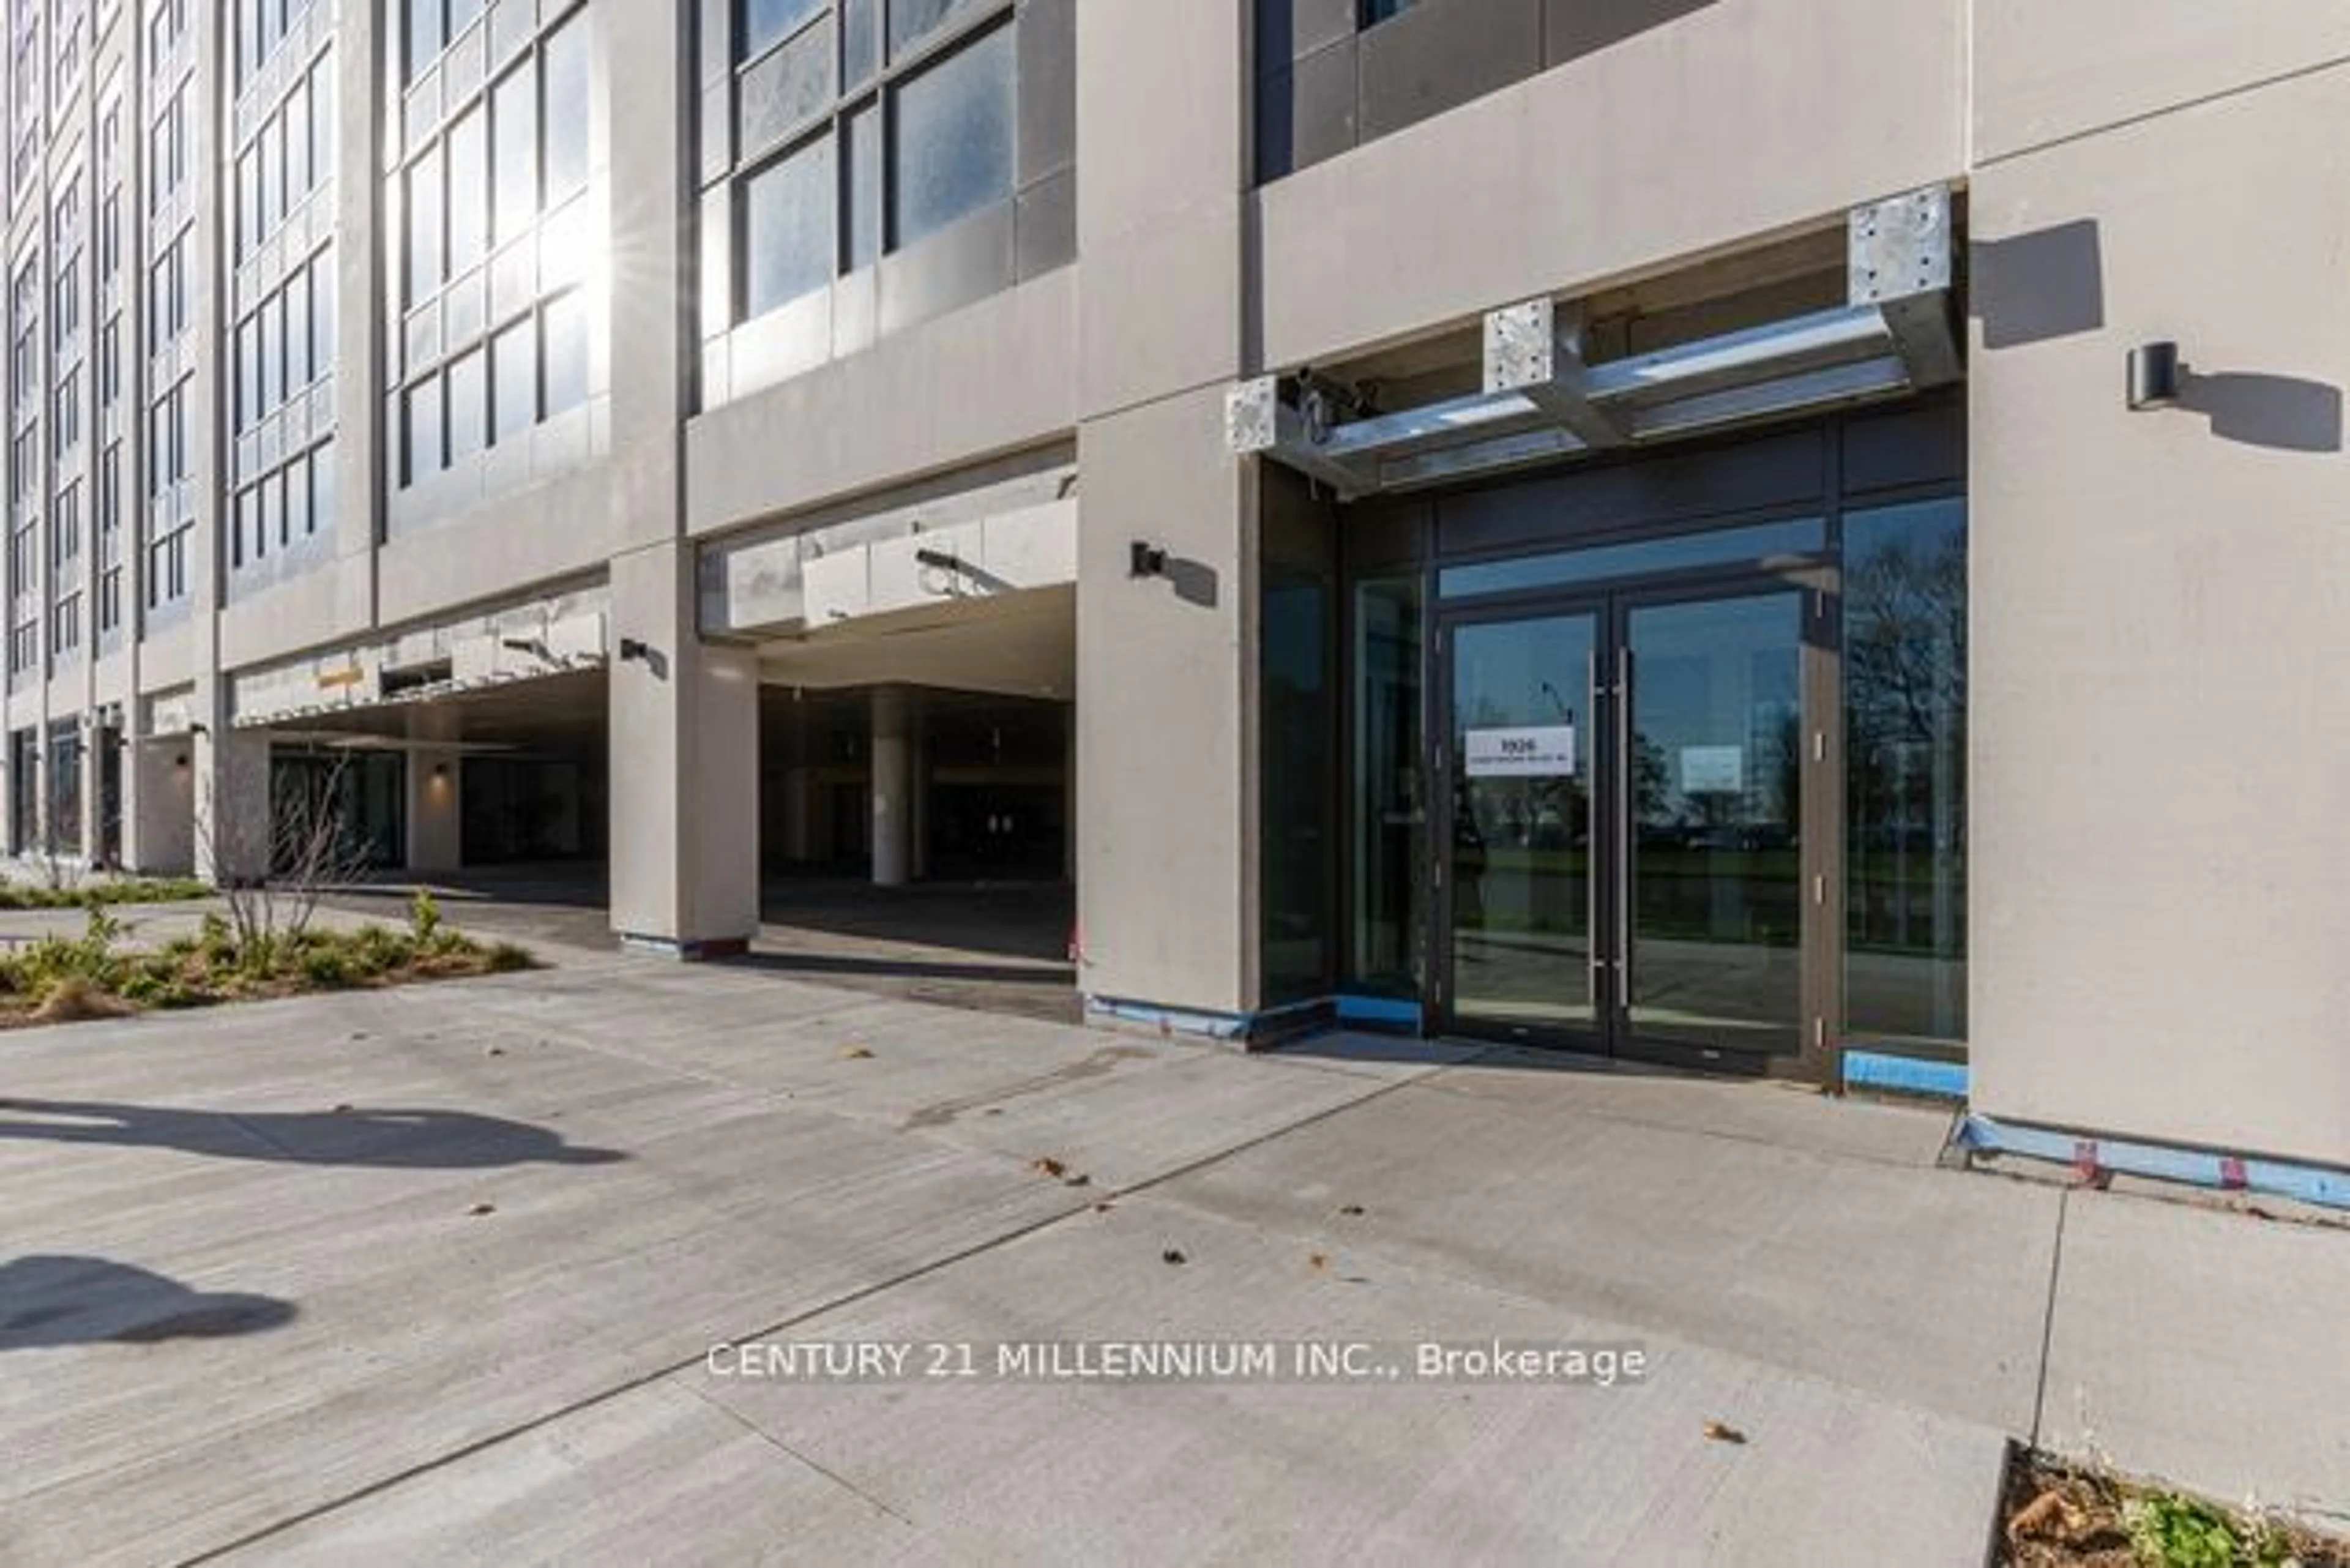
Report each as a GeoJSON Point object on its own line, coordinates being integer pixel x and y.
{"type": "Point", "coordinates": [1712, 850]}
{"type": "Point", "coordinates": [1518, 883]}
{"type": "Point", "coordinates": [1623, 863]}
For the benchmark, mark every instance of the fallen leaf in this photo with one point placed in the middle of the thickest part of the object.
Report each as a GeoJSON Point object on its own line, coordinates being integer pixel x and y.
{"type": "Point", "coordinates": [1079, 1179]}
{"type": "Point", "coordinates": [1352, 1211]}
{"type": "Point", "coordinates": [342, 1110]}
{"type": "Point", "coordinates": [495, 1051]}
{"type": "Point", "coordinates": [854, 1053]}
{"type": "Point", "coordinates": [478, 1210]}
{"type": "Point", "coordinates": [2041, 1510]}
{"type": "Point", "coordinates": [1046, 1165]}
{"type": "Point", "coordinates": [1104, 1207]}
{"type": "Point", "coordinates": [1318, 1263]}
{"type": "Point", "coordinates": [1722, 1432]}
{"type": "Point", "coordinates": [1172, 1256]}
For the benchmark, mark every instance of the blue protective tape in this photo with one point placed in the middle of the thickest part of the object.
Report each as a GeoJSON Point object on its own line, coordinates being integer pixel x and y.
{"type": "Point", "coordinates": [1904, 1074]}
{"type": "Point", "coordinates": [2318, 1185]}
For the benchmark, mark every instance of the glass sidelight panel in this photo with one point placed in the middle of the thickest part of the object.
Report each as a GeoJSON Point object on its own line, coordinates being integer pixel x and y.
{"type": "Point", "coordinates": [1713, 777]}
{"type": "Point", "coordinates": [1522, 851]}
{"type": "Point", "coordinates": [1390, 839]}
{"type": "Point", "coordinates": [1905, 701]}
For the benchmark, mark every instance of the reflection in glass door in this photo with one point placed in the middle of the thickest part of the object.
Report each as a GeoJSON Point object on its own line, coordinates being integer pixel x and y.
{"type": "Point", "coordinates": [1713, 776]}
{"type": "Point", "coordinates": [1520, 766]}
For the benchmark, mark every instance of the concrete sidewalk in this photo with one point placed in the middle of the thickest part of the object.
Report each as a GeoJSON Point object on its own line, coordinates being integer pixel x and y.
{"type": "Point", "coordinates": [431, 1274]}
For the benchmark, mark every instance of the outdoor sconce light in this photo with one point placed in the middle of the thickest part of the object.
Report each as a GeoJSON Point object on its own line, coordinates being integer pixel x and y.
{"type": "Point", "coordinates": [181, 762]}
{"type": "Point", "coordinates": [440, 771]}
{"type": "Point", "coordinates": [2153, 377]}
{"type": "Point", "coordinates": [1146, 559]}
{"type": "Point", "coordinates": [634, 647]}
{"type": "Point", "coordinates": [200, 728]}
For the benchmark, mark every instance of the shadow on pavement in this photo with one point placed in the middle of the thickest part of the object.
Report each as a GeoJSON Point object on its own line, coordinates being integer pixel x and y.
{"type": "Point", "coordinates": [1408, 1050]}
{"type": "Point", "coordinates": [49, 1301]}
{"type": "Point", "coordinates": [834, 964]}
{"type": "Point", "coordinates": [415, 1139]}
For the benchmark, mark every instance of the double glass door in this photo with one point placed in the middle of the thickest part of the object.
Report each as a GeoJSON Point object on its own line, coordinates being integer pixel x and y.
{"type": "Point", "coordinates": [1621, 864]}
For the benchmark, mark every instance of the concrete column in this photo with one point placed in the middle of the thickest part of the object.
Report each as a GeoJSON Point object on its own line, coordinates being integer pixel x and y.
{"type": "Point", "coordinates": [684, 766]}
{"type": "Point", "coordinates": [159, 807]}
{"type": "Point", "coordinates": [95, 743]}
{"type": "Point", "coordinates": [1166, 833]}
{"type": "Point", "coordinates": [232, 815]}
{"type": "Point", "coordinates": [435, 816]}
{"type": "Point", "coordinates": [893, 784]}
{"type": "Point", "coordinates": [133, 790]}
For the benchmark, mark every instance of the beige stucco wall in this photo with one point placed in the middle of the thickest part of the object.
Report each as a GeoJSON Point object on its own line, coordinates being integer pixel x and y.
{"type": "Point", "coordinates": [2161, 600]}
{"type": "Point", "coordinates": [1166, 789]}
{"type": "Point", "coordinates": [1737, 120]}
{"type": "Point", "coordinates": [1165, 810]}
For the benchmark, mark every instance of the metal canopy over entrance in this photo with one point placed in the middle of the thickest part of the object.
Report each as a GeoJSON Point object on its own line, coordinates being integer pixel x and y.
{"type": "Point", "coordinates": [1542, 400]}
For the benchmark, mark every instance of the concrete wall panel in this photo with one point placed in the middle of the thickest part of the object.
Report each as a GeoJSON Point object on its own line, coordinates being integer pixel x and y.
{"type": "Point", "coordinates": [1163, 103]}
{"type": "Point", "coordinates": [1736, 121]}
{"type": "Point", "coordinates": [2162, 609]}
{"type": "Point", "coordinates": [2045, 72]}
{"type": "Point", "coordinates": [993, 377]}
{"type": "Point", "coordinates": [1164, 801]}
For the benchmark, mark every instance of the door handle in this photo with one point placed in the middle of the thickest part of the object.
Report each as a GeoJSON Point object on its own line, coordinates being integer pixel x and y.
{"type": "Point", "coordinates": [1628, 816]}
{"type": "Point", "coordinates": [1592, 837]}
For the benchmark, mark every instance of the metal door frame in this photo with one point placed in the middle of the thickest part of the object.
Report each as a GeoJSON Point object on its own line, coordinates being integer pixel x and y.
{"type": "Point", "coordinates": [1612, 854]}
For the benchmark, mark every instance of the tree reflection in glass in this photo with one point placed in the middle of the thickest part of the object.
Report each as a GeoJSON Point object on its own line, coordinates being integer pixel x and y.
{"type": "Point", "coordinates": [1904, 683]}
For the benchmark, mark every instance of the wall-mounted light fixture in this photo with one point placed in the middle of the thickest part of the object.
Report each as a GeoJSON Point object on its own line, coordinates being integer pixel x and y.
{"type": "Point", "coordinates": [181, 762]}
{"type": "Point", "coordinates": [2153, 376]}
{"type": "Point", "coordinates": [635, 648]}
{"type": "Point", "coordinates": [1145, 559]}
{"type": "Point", "coordinates": [440, 771]}
{"type": "Point", "coordinates": [200, 728]}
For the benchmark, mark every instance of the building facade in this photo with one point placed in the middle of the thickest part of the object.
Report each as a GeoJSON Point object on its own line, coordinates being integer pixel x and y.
{"type": "Point", "coordinates": [1617, 525]}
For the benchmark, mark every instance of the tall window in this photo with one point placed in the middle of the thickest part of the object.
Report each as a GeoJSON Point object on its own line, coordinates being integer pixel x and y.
{"type": "Point", "coordinates": [1905, 684]}
{"type": "Point", "coordinates": [64, 791]}
{"type": "Point", "coordinates": [504, 163]}
{"type": "Point", "coordinates": [868, 131]}
{"type": "Point", "coordinates": [24, 792]}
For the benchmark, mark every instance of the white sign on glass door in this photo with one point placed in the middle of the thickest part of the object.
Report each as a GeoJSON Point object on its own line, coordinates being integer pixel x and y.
{"type": "Point", "coordinates": [1543, 752]}
{"type": "Point", "coordinates": [1713, 770]}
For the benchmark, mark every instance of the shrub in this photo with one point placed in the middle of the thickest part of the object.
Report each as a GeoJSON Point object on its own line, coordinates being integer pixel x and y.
{"type": "Point", "coordinates": [378, 951]}
{"type": "Point", "coordinates": [325, 965]}
{"type": "Point", "coordinates": [423, 917]}
{"type": "Point", "coordinates": [505, 958]}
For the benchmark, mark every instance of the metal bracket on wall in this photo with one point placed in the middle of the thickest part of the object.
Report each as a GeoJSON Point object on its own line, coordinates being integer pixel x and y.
{"type": "Point", "coordinates": [1542, 400]}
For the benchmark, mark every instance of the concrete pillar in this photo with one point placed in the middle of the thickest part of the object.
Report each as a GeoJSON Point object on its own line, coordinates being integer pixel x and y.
{"type": "Point", "coordinates": [232, 812]}
{"type": "Point", "coordinates": [684, 767]}
{"type": "Point", "coordinates": [893, 784]}
{"type": "Point", "coordinates": [159, 807]}
{"type": "Point", "coordinates": [435, 836]}
{"type": "Point", "coordinates": [1167, 847]}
